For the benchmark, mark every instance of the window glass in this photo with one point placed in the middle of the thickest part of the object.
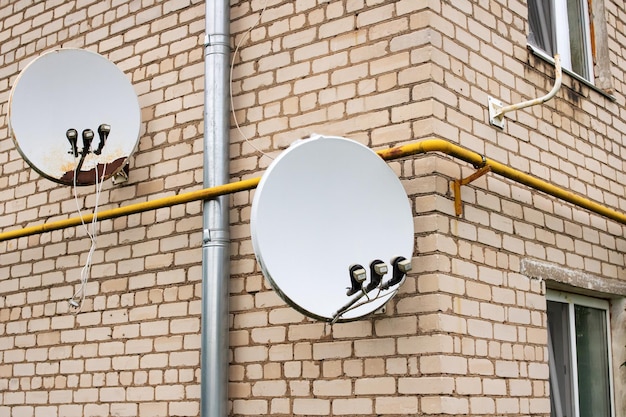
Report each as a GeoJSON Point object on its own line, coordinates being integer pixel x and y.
{"type": "Point", "coordinates": [592, 361]}
{"type": "Point", "coordinates": [580, 366]}
{"type": "Point", "coordinates": [540, 18]}
{"type": "Point", "coordinates": [563, 27]}
{"type": "Point", "coordinates": [560, 371]}
{"type": "Point", "coordinates": [577, 21]}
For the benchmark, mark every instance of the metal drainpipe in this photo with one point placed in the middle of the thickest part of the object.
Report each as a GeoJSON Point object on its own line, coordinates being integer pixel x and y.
{"type": "Point", "coordinates": [215, 233]}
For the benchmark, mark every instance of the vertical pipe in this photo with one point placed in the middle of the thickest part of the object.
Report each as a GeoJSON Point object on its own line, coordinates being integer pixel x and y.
{"type": "Point", "coordinates": [215, 239]}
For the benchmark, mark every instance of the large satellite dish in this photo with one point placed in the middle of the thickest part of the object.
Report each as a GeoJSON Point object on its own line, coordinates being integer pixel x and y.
{"type": "Point", "coordinates": [332, 228]}
{"type": "Point", "coordinates": [74, 116]}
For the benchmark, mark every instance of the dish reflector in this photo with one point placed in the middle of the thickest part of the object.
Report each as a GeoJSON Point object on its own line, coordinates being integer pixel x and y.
{"type": "Point", "coordinates": [329, 209]}
{"type": "Point", "coordinates": [57, 100]}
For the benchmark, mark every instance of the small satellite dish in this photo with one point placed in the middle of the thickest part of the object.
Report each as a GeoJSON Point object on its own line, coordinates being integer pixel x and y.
{"type": "Point", "coordinates": [332, 228]}
{"type": "Point", "coordinates": [74, 116]}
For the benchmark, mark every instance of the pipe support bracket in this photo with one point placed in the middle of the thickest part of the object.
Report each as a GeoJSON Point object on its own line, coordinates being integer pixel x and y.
{"type": "Point", "coordinates": [456, 186]}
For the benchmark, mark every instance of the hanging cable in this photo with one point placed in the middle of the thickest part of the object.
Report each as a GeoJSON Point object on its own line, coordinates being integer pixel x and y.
{"type": "Point", "coordinates": [232, 66]}
{"type": "Point", "coordinates": [77, 300]}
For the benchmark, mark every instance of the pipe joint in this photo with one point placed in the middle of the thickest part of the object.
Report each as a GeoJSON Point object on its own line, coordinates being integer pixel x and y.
{"type": "Point", "coordinates": [215, 236]}
{"type": "Point", "coordinates": [216, 40]}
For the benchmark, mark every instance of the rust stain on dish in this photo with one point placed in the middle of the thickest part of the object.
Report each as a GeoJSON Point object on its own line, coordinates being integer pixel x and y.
{"type": "Point", "coordinates": [89, 177]}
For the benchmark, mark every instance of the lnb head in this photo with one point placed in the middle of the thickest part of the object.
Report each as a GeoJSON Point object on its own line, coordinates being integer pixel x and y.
{"type": "Point", "coordinates": [87, 139]}
{"type": "Point", "coordinates": [377, 270]}
{"type": "Point", "coordinates": [103, 134]}
{"type": "Point", "coordinates": [403, 264]}
{"type": "Point", "coordinates": [358, 275]}
{"type": "Point", "coordinates": [72, 137]}
{"type": "Point", "coordinates": [104, 129]}
{"type": "Point", "coordinates": [400, 266]}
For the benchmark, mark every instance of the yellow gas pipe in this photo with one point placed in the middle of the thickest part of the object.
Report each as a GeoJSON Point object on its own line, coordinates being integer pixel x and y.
{"type": "Point", "coordinates": [203, 194]}
{"type": "Point", "coordinates": [421, 147]}
{"type": "Point", "coordinates": [479, 161]}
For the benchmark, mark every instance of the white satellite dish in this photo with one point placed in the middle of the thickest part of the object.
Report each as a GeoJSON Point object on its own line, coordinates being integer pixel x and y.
{"type": "Point", "coordinates": [73, 111]}
{"type": "Point", "coordinates": [332, 228]}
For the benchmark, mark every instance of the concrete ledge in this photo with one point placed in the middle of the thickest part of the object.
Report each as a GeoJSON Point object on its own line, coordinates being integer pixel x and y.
{"type": "Point", "coordinates": [558, 277]}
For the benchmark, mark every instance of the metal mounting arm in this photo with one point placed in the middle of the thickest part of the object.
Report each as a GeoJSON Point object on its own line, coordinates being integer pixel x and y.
{"type": "Point", "coordinates": [497, 110]}
{"type": "Point", "coordinates": [456, 185]}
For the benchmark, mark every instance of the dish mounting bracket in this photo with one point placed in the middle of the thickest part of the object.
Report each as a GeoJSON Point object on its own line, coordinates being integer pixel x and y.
{"type": "Point", "coordinates": [121, 176]}
{"type": "Point", "coordinates": [497, 109]}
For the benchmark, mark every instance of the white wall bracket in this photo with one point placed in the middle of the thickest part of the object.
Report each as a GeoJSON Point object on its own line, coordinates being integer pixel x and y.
{"type": "Point", "coordinates": [497, 109]}
{"type": "Point", "coordinates": [121, 176]}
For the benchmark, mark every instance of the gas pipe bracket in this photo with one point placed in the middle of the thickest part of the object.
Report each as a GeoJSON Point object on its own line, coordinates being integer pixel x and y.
{"type": "Point", "coordinates": [456, 186]}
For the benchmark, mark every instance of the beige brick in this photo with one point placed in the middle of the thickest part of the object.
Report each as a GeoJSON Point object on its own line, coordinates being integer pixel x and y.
{"type": "Point", "coordinates": [424, 303]}
{"type": "Point", "coordinates": [352, 406]}
{"type": "Point", "coordinates": [310, 369]}
{"type": "Point", "coordinates": [443, 322]}
{"type": "Point", "coordinates": [239, 390]}
{"type": "Point", "coordinates": [184, 358]}
{"type": "Point", "coordinates": [446, 405]}
{"type": "Point", "coordinates": [492, 312]}
{"type": "Point", "coordinates": [368, 386]}
{"type": "Point", "coordinates": [443, 364]}
{"type": "Point", "coordinates": [250, 407]}
{"type": "Point", "coordinates": [374, 366]}
{"type": "Point", "coordinates": [143, 313]}
{"type": "Point", "coordinates": [480, 328]}
{"type": "Point", "coordinates": [188, 325]}
{"type": "Point", "coordinates": [507, 405]}
{"type": "Point", "coordinates": [332, 388]}
{"type": "Point", "coordinates": [86, 395]}
{"type": "Point", "coordinates": [269, 388]}
{"type": "Point", "coordinates": [153, 408]}
{"type": "Point", "coordinates": [257, 319]}
{"type": "Point", "coordinates": [269, 335]}
{"type": "Point", "coordinates": [505, 332]}
{"type": "Point", "coordinates": [154, 328]}
{"type": "Point", "coordinates": [494, 387]}
{"type": "Point", "coordinates": [482, 405]}
{"type": "Point", "coordinates": [507, 369]}
{"type": "Point", "coordinates": [426, 385]}
{"type": "Point", "coordinates": [169, 392]}
{"type": "Point", "coordinates": [396, 366]}
{"type": "Point", "coordinates": [332, 350]}
{"type": "Point", "coordinates": [155, 360]}
{"type": "Point", "coordinates": [398, 405]}
{"type": "Point", "coordinates": [425, 344]}
{"type": "Point", "coordinates": [71, 366]}
{"type": "Point", "coordinates": [250, 354]}
{"type": "Point", "coordinates": [126, 331]}
{"type": "Point", "coordinates": [311, 406]}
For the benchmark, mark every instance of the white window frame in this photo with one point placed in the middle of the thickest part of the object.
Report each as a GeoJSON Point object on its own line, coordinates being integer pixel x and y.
{"type": "Point", "coordinates": [562, 34]}
{"type": "Point", "coordinates": [576, 299]}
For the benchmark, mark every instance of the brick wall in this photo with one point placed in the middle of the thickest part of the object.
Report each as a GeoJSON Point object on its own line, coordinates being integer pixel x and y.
{"type": "Point", "coordinates": [466, 334]}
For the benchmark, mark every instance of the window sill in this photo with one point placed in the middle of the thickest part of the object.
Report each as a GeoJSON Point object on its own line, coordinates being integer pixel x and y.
{"type": "Point", "coordinates": [542, 55]}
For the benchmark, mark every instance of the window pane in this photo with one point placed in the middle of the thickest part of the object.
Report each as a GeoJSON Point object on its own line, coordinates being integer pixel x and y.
{"type": "Point", "coordinates": [540, 20]}
{"type": "Point", "coordinates": [578, 22]}
{"type": "Point", "coordinates": [592, 361]}
{"type": "Point", "coordinates": [560, 372]}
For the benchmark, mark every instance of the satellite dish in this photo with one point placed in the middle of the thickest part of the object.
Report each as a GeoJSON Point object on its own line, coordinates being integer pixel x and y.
{"type": "Point", "coordinates": [73, 112]}
{"type": "Point", "coordinates": [332, 228]}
